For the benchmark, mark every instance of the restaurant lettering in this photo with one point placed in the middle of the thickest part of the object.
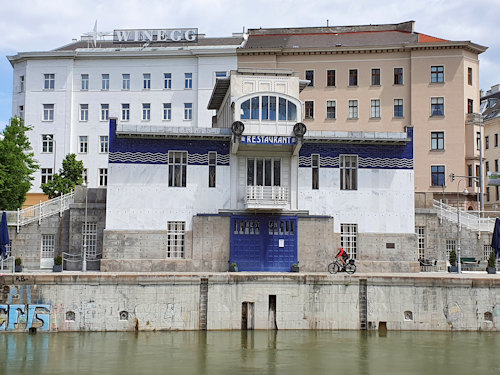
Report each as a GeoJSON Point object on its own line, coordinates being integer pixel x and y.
{"type": "Point", "coordinates": [154, 35]}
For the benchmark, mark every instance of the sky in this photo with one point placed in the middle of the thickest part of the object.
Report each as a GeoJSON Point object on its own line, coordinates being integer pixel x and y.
{"type": "Point", "coordinates": [40, 25]}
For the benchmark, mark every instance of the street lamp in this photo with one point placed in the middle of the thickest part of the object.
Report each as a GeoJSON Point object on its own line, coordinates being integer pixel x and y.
{"type": "Point", "coordinates": [84, 258]}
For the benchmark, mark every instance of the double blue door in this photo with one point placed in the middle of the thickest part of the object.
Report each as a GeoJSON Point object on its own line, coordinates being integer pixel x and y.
{"type": "Point", "coordinates": [264, 243]}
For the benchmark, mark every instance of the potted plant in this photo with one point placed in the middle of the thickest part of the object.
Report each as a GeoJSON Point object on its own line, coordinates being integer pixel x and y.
{"type": "Point", "coordinates": [18, 265]}
{"type": "Point", "coordinates": [294, 268]}
{"type": "Point", "coordinates": [492, 260]}
{"type": "Point", "coordinates": [453, 262]}
{"type": "Point", "coordinates": [57, 267]}
{"type": "Point", "coordinates": [233, 267]}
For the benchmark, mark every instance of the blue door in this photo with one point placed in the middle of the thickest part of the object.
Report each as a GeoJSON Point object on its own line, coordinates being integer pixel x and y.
{"type": "Point", "coordinates": [264, 243]}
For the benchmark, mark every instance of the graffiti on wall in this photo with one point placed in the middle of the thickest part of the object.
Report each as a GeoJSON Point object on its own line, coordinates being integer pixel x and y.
{"type": "Point", "coordinates": [24, 317]}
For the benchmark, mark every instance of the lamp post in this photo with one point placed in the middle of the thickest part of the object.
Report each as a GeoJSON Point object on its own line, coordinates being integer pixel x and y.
{"type": "Point", "coordinates": [84, 258]}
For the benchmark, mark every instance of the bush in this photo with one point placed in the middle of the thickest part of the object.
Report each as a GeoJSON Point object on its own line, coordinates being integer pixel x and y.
{"type": "Point", "coordinates": [492, 260]}
{"type": "Point", "coordinates": [58, 260]}
{"type": "Point", "coordinates": [19, 261]}
{"type": "Point", "coordinates": [453, 258]}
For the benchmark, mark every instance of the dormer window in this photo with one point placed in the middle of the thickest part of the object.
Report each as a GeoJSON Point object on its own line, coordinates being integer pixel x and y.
{"type": "Point", "coordinates": [268, 108]}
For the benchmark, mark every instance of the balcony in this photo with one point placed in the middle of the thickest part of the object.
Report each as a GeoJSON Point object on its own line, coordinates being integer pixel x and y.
{"type": "Point", "coordinates": [266, 197]}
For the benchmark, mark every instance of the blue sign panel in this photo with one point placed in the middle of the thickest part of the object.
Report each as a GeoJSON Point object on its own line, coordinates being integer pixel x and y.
{"type": "Point", "coordinates": [264, 243]}
{"type": "Point", "coordinates": [267, 140]}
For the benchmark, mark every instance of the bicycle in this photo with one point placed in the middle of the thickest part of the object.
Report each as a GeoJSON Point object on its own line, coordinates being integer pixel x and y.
{"type": "Point", "coordinates": [338, 266]}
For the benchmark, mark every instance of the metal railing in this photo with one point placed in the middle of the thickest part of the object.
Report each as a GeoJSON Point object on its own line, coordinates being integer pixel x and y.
{"type": "Point", "coordinates": [75, 258]}
{"type": "Point", "coordinates": [274, 195]}
{"type": "Point", "coordinates": [6, 262]}
{"type": "Point", "coordinates": [40, 211]}
{"type": "Point", "coordinates": [471, 220]}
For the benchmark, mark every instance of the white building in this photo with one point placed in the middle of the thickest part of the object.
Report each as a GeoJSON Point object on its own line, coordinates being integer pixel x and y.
{"type": "Point", "coordinates": [68, 94]}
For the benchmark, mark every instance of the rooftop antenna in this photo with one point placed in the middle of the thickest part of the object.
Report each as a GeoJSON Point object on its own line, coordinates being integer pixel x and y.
{"type": "Point", "coordinates": [327, 23]}
{"type": "Point", "coordinates": [94, 34]}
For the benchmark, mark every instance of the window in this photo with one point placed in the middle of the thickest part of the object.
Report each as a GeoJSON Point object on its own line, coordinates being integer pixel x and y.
{"type": "Point", "coordinates": [147, 81]}
{"type": "Point", "coordinates": [437, 106]}
{"type": "Point", "coordinates": [487, 142]}
{"type": "Point", "coordinates": [103, 176]}
{"type": "Point", "coordinates": [212, 164]}
{"type": "Point", "coordinates": [470, 106]}
{"type": "Point", "coordinates": [398, 108]}
{"type": "Point", "coordinates": [84, 112]}
{"type": "Point", "coordinates": [451, 245]}
{"type": "Point", "coordinates": [315, 171]}
{"type": "Point", "coordinates": [496, 165]}
{"type": "Point", "coordinates": [487, 249]}
{"type": "Point", "coordinates": [49, 81]}
{"type": "Point", "coordinates": [331, 107]}
{"type": "Point", "coordinates": [105, 82]}
{"type": "Point", "coordinates": [420, 232]}
{"type": "Point", "coordinates": [188, 111]}
{"type": "Point", "coordinates": [89, 239]}
{"type": "Point", "coordinates": [85, 175]}
{"type": "Point", "coordinates": [376, 77]}
{"type": "Point", "coordinates": [21, 84]}
{"type": "Point", "coordinates": [496, 140]}
{"type": "Point", "coordinates": [48, 143]}
{"type": "Point", "coordinates": [487, 166]}
{"type": "Point", "coordinates": [437, 74]}
{"type": "Point", "coordinates": [125, 81]}
{"type": "Point", "coordinates": [353, 77]}
{"type": "Point", "coordinates": [309, 110]}
{"type": "Point", "coordinates": [167, 111]}
{"type": "Point", "coordinates": [348, 172]}
{"type": "Point", "coordinates": [478, 140]}
{"type": "Point", "coordinates": [487, 194]}
{"type": "Point", "coordinates": [125, 112]}
{"type": "Point", "coordinates": [48, 112]}
{"type": "Point", "coordinates": [177, 168]}
{"type": "Point", "coordinates": [437, 140]}
{"type": "Point", "coordinates": [375, 108]}
{"type": "Point", "coordinates": [46, 174]}
{"type": "Point", "coordinates": [83, 144]}
{"type": "Point", "coordinates": [175, 239]}
{"type": "Point", "coordinates": [21, 112]}
{"type": "Point", "coordinates": [497, 193]}
{"type": "Point", "coordinates": [310, 77]}
{"type": "Point", "coordinates": [188, 80]}
{"type": "Point", "coordinates": [437, 175]}
{"type": "Point", "coordinates": [263, 172]}
{"type": "Point", "coordinates": [353, 109]}
{"type": "Point", "coordinates": [104, 112]}
{"type": "Point", "coordinates": [469, 174]}
{"type": "Point", "coordinates": [398, 76]}
{"type": "Point", "coordinates": [167, 81]}
{"type": "Point", "coordinates": [220, 75]}
{"type": "Point", "coordinates": [146, 111]}
{"type": "Point", "coordinates": [48, 246]}
{"type": "Point", "coordinates": [349, 239]}
{"type": "Point", "coordinates": [85, 81]}
{"type": "Point", "coordinates": [330, 78]}
{"type": "Point", "coordinates": [103, 143]}
{"type": "Point", "coordinates": [469, 76]}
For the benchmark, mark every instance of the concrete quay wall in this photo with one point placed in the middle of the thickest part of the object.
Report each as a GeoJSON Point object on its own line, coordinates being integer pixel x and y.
{"type": "Point", "coordinates": [192, 301]}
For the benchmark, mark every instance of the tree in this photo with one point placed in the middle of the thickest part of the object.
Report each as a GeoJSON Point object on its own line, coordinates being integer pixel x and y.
{"type": "Point", "coordinates": [68, 177]}
{"type": "Point", "coordinates": [17, 164]}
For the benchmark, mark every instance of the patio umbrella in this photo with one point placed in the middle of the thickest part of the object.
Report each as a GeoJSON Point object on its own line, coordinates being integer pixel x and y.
{"type": "Point", "coordinates": [4, 235]}
{"type": "Point", "coordinates": [495, 241]}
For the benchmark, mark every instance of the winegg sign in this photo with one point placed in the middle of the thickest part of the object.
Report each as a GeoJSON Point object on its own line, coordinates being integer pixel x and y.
{"type": "Point", "coordinates": [154, 35]}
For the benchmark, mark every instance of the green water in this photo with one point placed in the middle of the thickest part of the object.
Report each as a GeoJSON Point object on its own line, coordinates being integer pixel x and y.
{"type": "Point", "coordinates": [251, 352]}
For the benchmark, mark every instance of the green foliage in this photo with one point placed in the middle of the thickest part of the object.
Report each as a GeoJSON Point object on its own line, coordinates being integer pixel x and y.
{"type": "Point", "coordinates": [492, 260]}
{"type": "Point", "coordinates": [453, 258]}
{"type": "Point", "coordinates": [18, 261]}
{"type": "Point", "coordinates": [17, 164]}
{"type": "Point", "coordinates": [58, 260]}
{"type": "Point", "coordinates": [68, 177]}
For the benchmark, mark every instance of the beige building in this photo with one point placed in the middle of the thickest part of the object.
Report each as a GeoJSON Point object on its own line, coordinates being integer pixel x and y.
{"type": "Point", "coordinates": [490, 108]}
{"type": "Point", "coordinates": [384, 78]}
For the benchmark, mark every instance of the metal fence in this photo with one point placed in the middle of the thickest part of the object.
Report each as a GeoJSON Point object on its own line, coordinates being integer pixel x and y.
{"type": "Point", "coordinates": [471, 220]}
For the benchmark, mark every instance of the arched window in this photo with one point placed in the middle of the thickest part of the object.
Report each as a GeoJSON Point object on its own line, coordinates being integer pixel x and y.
{"type": "Point", "coordinates": [268, 108]}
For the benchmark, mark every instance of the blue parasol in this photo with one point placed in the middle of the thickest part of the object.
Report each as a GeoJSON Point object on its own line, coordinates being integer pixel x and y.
{"type": "Point", "coordinates": [4, 235]}
{"type": "Point", "coordinates": [495, 241]}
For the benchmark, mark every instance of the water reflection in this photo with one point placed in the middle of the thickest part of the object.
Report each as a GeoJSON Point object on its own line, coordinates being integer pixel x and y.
{"type": "Point", "coordinates": [251, 352]}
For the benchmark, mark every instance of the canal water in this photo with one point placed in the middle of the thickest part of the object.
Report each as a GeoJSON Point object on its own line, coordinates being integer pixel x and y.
{"type": "Point", "coordinates": [251, 352]}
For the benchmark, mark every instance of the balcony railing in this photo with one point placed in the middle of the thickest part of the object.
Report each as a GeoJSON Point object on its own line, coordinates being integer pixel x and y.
{"type": "Point", "coordinates": [471, 220]}
{"type": "Point", "coordinates": [266, 197]}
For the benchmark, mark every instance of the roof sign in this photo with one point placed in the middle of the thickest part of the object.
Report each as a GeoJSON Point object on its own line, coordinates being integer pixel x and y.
{"type": "Point", "coordinates": [154, 35]}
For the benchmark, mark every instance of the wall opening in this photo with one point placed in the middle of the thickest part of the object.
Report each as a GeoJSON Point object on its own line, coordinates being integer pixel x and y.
{"type": "Point", "coordinates": [70, 316]}
{"type": "Point", "coordinates": [247, 316]}
{"type": "Point", "coordinates": [272, 312]}
{"type": "Point", "coordinates": [488, 316]}
{"type": "Point", "coordinates": [408, 315]}
{"type": "Point", "coordinates": [382, 327]}
{"type": "Point", "coordinates": [123, 315]}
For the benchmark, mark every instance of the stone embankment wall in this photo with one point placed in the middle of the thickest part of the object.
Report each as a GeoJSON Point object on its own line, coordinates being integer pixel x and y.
{"type": "Point", "coordinates": [185, 301]}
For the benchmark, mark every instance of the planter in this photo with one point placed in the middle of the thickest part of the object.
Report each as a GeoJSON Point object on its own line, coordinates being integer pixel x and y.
{"type": "Point", "coordinates": [233, 267]}
{"type": "Point", "coordinates": [491, 270]}
{"type": "Point", "coordinates": [57, 268]}
{"type": "Point", "coordinates": [18, 268]}
{"type": "Point", "coordinates": [453, 269]}
{"type": "Point", "coordinates": [294, 268]}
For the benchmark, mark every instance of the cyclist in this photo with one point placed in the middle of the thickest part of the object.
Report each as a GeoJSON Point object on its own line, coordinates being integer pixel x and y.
{"type": "Point", "coordinates": [342, 255]}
